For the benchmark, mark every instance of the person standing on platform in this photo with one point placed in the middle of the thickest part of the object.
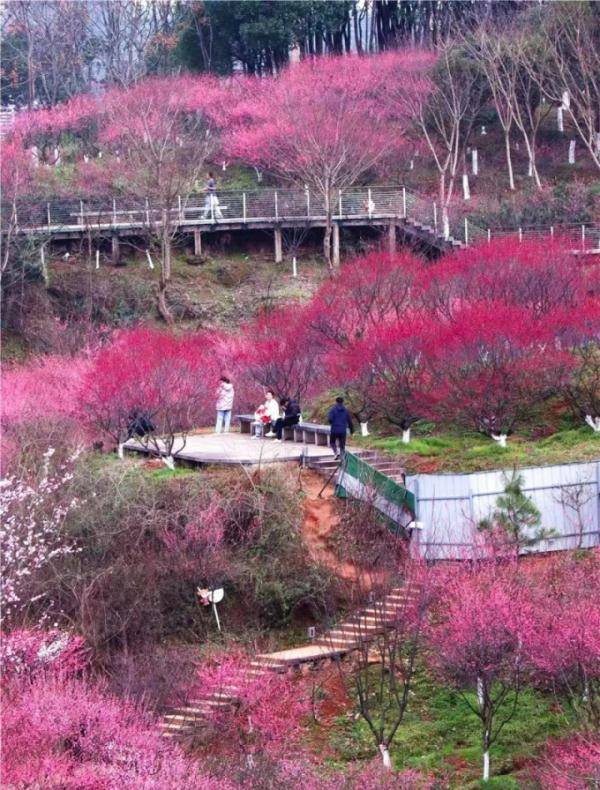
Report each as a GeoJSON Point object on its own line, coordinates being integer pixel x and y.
{"type": "Point", "coordinates": [225, 394]}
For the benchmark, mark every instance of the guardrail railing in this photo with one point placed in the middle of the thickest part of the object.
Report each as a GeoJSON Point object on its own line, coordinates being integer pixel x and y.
{"type": "Point", "coordinates": [270, 205]}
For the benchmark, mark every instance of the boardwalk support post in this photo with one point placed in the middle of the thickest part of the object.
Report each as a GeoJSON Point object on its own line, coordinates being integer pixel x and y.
{"type": "Point", "coordinates": [48, 214]}
{"type": "Point", "coordinates": [404, 202]}
{"type": "Point", "coordinates": [392, 238]}
{"type": "Point", "coordinates": [114, 213]}
{"type": "Point", "coordinates": [116, 250]}
{"type": "Point", "coordinates": [276, 206]}
{"type": "Point", "coordinates": [278, 246]}
{"type": "Point", "coordinates": [466, 231]}
{"type": "Point", "coordinates": [341, 213]}
{"type": "Point", "coordinates": [244, 206]}
{"type": "Point", "coordinates": [336, 244]}
{"type": "Point", "coordinates": [583, 237]}
{"type": "Point", "coordinates": [197, 241]}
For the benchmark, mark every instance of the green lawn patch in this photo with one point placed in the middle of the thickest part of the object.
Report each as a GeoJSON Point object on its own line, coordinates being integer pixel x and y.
{"type": "Point", "coordinates": [441, 735]}
{"type": "Point", "coordinates": [473, 452]}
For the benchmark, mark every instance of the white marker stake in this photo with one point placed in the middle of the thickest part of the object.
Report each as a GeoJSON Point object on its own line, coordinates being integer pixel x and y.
{"type": "Point", "coordinates": [572, 152]}
{"type": "Point", "coordinates": [97, 259]}
{"type": "Point", "coordinates": [466, 188]}
{"type": "Point", "coordinates": [294, 267]}
{"type": "Point", "coordinates": [150, 264]}
{"type": "Point", "coordinates": [475, 162]}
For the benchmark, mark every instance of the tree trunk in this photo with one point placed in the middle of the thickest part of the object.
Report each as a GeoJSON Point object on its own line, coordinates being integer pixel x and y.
{"type": "Point", "coordinates": [511, 177]}
{"type": "Point", "coordinates": [328, 230]}
{"type": "Point", "coordinates": [165, 276]}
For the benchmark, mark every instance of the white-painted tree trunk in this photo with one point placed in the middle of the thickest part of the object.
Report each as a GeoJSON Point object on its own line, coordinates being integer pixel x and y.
{"type": "Point", "coordinates": [486, 766]}
{"type": "Point", "coordinates": [566, 100]}
{"type": "Point", "coordinates": [385, 756]}
{"type": "Point", "coordinates": [168, 461]}
{"type": "Point", "coordinates": [572, 152]}
{"type": "Point", "coordinates": [560, 121]}
{"type": "Point", "coordinates": [364, 429]}
{"type": "Point", "coordinates": [406, 436]}
{"type": "Point", "coordinates": [445, 224]}
{"type": "Point", "coordinates": [598, 142]}
{"type": "Point", "coordinates": [500, 438]}
{"type": "Point", "coordinates": [530, 169]}
{"type": "Point", "coordinates": [97, 259]}
{"type": "Point", "coordinates": [466, 188]}
{"type": "Point", "coordinates": [294, 267]}
{"type": "Point", "coordinates": [120, 451]}
{"type": "Point", "coordinates": [483, 131]}
{"type": "Point", "coordinates": [150, 262]}
{"type": "Point", "coordinates": [593, 422]}
{"type": "Point", "coordinates": [475, 162]}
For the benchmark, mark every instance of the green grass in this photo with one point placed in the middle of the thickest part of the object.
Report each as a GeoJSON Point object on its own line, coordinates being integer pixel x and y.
{"type": "Point", "coordinates": [441, 735]}
{"type": "Point", "coordinates": [473, 452]}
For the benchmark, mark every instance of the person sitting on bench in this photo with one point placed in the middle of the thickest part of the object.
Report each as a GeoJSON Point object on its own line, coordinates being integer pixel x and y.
{"type": "Point", "coordinates": [266, 416]}
{"type": "Point", "coordinates": [139, 424]}
{"type": "Point", "coordinates": [291, 416]}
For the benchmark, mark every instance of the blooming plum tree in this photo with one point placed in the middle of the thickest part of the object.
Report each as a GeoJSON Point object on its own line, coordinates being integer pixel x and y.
{"type": "Point", "coordinates": [564, 643]}
{"type": "Point", "coordinates": [157, 374]}
{"type": "Point", "coordinates": [31, 536]}
{"type": "Point", "coordinates": [323, 123]}
{"type": "Point", "coordinates": [266, 715]}
{"type": "Point", "coordinates": [279, 353]}
{"type": "Point", "coordinates": [477, 638]}
{"type": "Point", "coordinates": [491, 364]}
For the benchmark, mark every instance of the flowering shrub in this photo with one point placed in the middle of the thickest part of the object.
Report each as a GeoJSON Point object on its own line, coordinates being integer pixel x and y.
{"type": "Point", "coordinates": [571, 764]}
{"type": "Point", "coordinates": [80, 738]}
{"type": "Point", "coordinates": [31, 536]}
{"type": "Point", "coordinates": [25, 653]}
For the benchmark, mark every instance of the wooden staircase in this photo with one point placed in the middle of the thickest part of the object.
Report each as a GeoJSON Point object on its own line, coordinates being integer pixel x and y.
{"type": "Point", "coordinates": [359, 628]}
{"type": "Point", "coordinates": [381, 463]}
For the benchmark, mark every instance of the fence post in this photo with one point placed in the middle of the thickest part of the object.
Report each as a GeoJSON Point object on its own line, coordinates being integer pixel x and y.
{"type": "Point", "coordinates": [403, 202]}
{"type": "Point", "coordinates": [307, 202]}
{"type": "Point", "coordinates": [114, 211]}
{"type": "Point", "coordinates": [244, 206]}
{"type": "Point", "coordinates": [369, 202]}
{"type": "Point", "coordinates": [81, 222]}
{"type": "Point", "coordinates": [147, 211]}
{"type": "Point", "coordinates": [48, 213]}
{"type": "Point", "coordinates": [340, 201]}
{"type": "Point", "coordinates": [520, 234]}
{"type": "Point", "coordinates": [179, 208]}
{"type": "Point", "coordinates": [466, 231]}
{"type": "Point", "coordinates": [583, 237]}
{"type": "Point", "coordinates": [276, 207]}
{"type": "Point", "coordinates": [435, 216]}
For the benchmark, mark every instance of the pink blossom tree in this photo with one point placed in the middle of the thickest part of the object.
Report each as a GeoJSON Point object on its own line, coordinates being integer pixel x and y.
{"type": "Point", "coordinates": [78, 736]}
{"type": "Point", "coordinates": [266, 713]}
{"type": "Point", "coordinates": [324, 123]}
{"type": "Point", "coordinates": [151, 373]}
{"type": "Point", "coordinates": [477, 639]}
{"type": "Point", "coordinates": [279, 353]}
{"type": "Point", "coordinates": [491, 363]}
{"type": "Point", "coordinates": [564, 643]}
{"type": "Point", "coordinates": [571, 763]}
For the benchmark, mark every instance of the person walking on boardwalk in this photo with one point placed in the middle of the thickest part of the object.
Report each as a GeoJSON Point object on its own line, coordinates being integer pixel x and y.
{"type": "Point", "coordinates": [291, 416]}
{"type": "Point", "coordinates": [340, 420]}
{"type": "Point", "coordinates": [225, 393]}
{"type": "Point", "coordinates": [211, 202]}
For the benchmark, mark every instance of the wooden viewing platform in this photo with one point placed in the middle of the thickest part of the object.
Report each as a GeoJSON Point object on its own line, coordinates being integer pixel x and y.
{"type": "Point", "coordinates": [236, 449]}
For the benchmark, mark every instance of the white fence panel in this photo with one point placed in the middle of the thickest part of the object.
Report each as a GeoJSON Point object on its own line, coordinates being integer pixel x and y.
{"type": "Point", "coordinates": [450, 506]}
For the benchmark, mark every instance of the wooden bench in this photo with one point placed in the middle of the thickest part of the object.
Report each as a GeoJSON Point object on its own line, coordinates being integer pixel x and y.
{"type": "Point", "coordinates": [305, 432]}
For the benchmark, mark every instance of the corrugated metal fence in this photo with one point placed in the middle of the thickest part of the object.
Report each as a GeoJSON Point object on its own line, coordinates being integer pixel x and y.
{"type": "Point", "coordinates": [450, 506]}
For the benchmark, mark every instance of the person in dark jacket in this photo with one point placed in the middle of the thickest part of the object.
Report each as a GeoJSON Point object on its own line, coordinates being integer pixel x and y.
{"type": "Point", "coordinates": [340, 420]}
{"type": "Point", "coordinates": [291, 416]}
{"type": "Point", "coordinates": [139, 424]}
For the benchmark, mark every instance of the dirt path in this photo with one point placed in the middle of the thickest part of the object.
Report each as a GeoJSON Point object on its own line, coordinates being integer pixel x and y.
{"type": "Point", "coordinates": [320, 519]}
